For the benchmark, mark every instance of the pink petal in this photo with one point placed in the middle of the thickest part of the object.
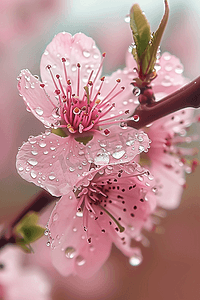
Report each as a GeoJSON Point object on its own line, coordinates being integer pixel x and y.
{"type": "Point", "coordinates": [76, 49]}
{"type": "Point", "coordinates": [118, 146]}
{"type": "Point", "coordinates": [36, 99]}
{"type": "Point", "coordinates": [72, 253]}
{"type": "Point", "coordinates": [52, 162]}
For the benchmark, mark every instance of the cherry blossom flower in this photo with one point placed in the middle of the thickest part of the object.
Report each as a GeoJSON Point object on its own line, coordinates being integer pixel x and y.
{"type": "Point", "coordinates": [75, 102]}
{"type": "Point", "coordinates": [165, 159]}
{"type": "Point", "coordinates": [18, 282]}
{"type": "Point", "coordinates": [110, 204]}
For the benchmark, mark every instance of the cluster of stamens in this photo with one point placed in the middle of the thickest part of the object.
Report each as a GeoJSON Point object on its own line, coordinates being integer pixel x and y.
{"type": "Point", "coordinates": [83, 113]}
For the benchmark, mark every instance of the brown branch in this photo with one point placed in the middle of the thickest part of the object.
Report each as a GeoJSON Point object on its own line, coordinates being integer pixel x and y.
{"type": "Point", "coordinates": [37, 203]}
{"type": "Point", "coordinates": [187, 96]}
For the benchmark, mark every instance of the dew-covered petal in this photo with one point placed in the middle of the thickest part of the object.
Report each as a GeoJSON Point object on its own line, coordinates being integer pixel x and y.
{"type": "Point", "coordinates": [36, 99]}
{"type": "Point", "coordinates": [71, 251]}
{"type": "Point", "coordinates": [75, 49]}
{"type": "Point", "coordinates": [52, 162]}
{"type": "Point", "coordinates": [125, 101]}
{"type": "Point", "coordinates": [117, 145]}
{"type": "Point", "coordinates": [170, 181]}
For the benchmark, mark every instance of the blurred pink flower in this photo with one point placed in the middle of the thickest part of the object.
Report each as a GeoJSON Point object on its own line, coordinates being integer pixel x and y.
{"type": "Point", "coordinates": [164, 158]}
{"type": "Point", "coordinates": [110, 204]}
{"type": "Point", "coordinates": [74, 100]}
{"type": "Point", "coordinates": [19, 282]}
{"type": "Point", "coordinates": [21, 17]}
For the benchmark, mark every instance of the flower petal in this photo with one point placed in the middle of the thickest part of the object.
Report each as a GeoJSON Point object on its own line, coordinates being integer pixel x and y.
{"type": "Point", "coordinates": [71, 252]}
{"type": "Point", "coordinates": [36, 99]}
{"type": "Point", "coordinates": [52, 162]}
{"type": "Point", "coordinates": [75, 49]}
{"type": "Point", "coordinates": [120, 145]}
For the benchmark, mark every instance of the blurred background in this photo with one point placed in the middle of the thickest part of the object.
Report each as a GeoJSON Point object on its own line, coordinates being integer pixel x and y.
{"type": "Point", "coordinates": [171, 265]}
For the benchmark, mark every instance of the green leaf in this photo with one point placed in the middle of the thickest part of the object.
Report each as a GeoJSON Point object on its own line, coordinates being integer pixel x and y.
{"type": "Point", "coordinates": [27, 230]}
{"type": "Point", "coordinates": [84, 139]}
{"type": "Point", "coordinates": [59, 131]}
{"type": "Point", "coordinates": [148, 58]}
{"type": "Point", "coordinates": [140, 29]}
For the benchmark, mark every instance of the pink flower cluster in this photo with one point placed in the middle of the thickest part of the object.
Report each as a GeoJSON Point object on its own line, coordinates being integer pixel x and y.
{"type": "Point", "coordinates": [92, 159]}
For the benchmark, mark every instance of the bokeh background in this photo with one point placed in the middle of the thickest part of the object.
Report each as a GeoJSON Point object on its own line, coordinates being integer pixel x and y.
{"type": "Point", "coordinates": [171, 266]}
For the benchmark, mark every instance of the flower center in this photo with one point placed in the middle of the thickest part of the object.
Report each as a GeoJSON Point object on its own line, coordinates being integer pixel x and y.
{"type": "Point", "coordinates": [79, 114]}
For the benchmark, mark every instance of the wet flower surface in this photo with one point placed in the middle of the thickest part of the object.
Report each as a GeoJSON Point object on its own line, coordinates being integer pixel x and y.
{"type": "Point", "coordinates": [73, 102]}
{"type": "Point", "coordinates": [110, 204]}
{"type": "Point", "coordinates": [165, 158]}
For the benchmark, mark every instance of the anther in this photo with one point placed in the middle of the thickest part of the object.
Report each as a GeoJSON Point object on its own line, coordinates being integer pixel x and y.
{"type": "Point", "coordinates": [78, 65]}
{"type": "Point", "coordinates": [57, 76]}
{"type": "Point", "coordinates": [63, 59]}
{"type": "Point", "coordinates": [42, 85]}
{"type": "Point", "coordinates": [57, 92]}
{"type": "Point", "coordinates": [68, 82]}
{"type": "Point", "coordinates": [102, 78]}
{"type": "Point", "coordinates": [104, 54]}
{"type": "Point", "coordinates": [48, 66]}
{"type": "Point", "coordinates": [118, 80]}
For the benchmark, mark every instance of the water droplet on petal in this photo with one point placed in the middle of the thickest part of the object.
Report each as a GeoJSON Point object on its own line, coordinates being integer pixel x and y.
{"type": "Point", "coordinates": [34, 152]}
{"type": "Point", "coordinates": [32, 162]}
{"type": "Point", "coordinates": [52, 176]}
{"type": "Point", "coordinates": [46, 152]}
{"type": "Point", "coordinates": [127, 18]}
{"type": "Point", "coordinates": [20, 169]}
{"type": "Point", "coordinates": [74, 229]}
{"type": "Point", "coordinates": [52, 148]}
{"type": "Point", "coordinates": [86, 53]}
{"type": "Point", "coordinates": [179, 69]}
{"type": "Point", "coordinates": [166, 56]}
{"type": "Point", "coordinates": [96, 56]}
{"type": "Point", "coordinates": [70, 252]}
{"type": "Point", "coordinates": [71, 169]}
{"type": "Point", "coordinates": [48, 243]}
{"type": "Point", "coordinates": [141, 148]}
{"type": "Point", "coordinates": [46, 232]}
{"type": "Point", "coordinates": [55, 217]}
{"type": "Point", "coordinates": [33, 174]}
{"type": "Point", "coordinates": [42, 144]}
{"type": "Point", "coordinates": [135, 260]}
{"type": "Point", "coordinates": [39, 111]}
{"type": "Point", "coordinates": [102, 158]}
{"type": "Point", "coordinates": [80, 260]}
{"type": "Point", "coordinates": [118, 154]}
{"type": "Point", "coordinates": [73, 68]}
{"type": "Point", "coordinates": [79, 213]}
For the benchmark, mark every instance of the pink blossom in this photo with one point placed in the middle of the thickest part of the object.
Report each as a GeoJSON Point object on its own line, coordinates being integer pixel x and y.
{"type": "Point", "coordinates": [110, 204]}
{"type": "Point", "coordinates": [165, 158]}
{"type": "Point", "coordinates": [74, 99]}
{"type": "Point", "coordinates": [18, 282]}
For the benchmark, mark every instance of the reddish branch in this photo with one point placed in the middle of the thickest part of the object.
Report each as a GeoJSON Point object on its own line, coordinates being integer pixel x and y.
{"type": "Point", "coordinates": [187, 96]}
{"type": "Point", "coordinates": [37, 203]}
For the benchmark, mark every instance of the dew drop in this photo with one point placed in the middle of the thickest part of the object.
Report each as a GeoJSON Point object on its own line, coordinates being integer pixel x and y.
{"type": "Point", "coordinates": [127, 18]}
{"type": "Point", "coordinates": [33, 174]}
{"type": "Point", "coordinates": [135, 260]}
{"type": "Point", "coordinates": [80, 260]}
{"type": "Point", "coordinates": [52, 176]}
{"type": "Point", "coordinates": [46, 152]}
{"type": "Point", "coordinates": [96, 56]}
{"type": "Point", "coordinates": [20, 169]}
{"type": "Point", "coordinates": [48, 243]}
{"type": "Point", "coordinates": [46, 232]}
{"type": "Point", "coordinates": [34, 152]}
{"type": "Point", "coordinates": [81, 152]}
{"type": "Point", "coordinates": [55, 217]}
{"type": "Point", "coordinates": [52, 148]}
{"type": "Point", "coordinates": [70, 252]}
{"type": "Point", "coordinates": [86, 53]}
{"type": "Point", "coordinates": [39, 111]}
{"type": "Point", "coordinates": [32, 162]}
{"type": "Point", "coordinates": [102, 158]}
{"type": "Point", "coordinates": [91, 248]}
{"type": "Point", "coordinates": [74, 229]}
{"type": "Point", "coordinates": [73, 68]}
{"type": "Point", "coordinates": [46, 52]}
{"type": "Point", "coordinates": [79, 213]}
{"type": "Point", "coordinates": [71, 169]}
{"type": "Point", "coordinates": [141, 148]}
{"type": "Point", "coordinates": [166, 56]}
{"type": "Point", "coordinates": [179, 69]}
{"type": "Point", "coordinates": [166, 81]}
{"type": "Point", "coordinates": [118, 154]}
{"type": "Point", "coordinates": [42, 144]}
{"type": "Point", "coordinates": [168, 67]}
